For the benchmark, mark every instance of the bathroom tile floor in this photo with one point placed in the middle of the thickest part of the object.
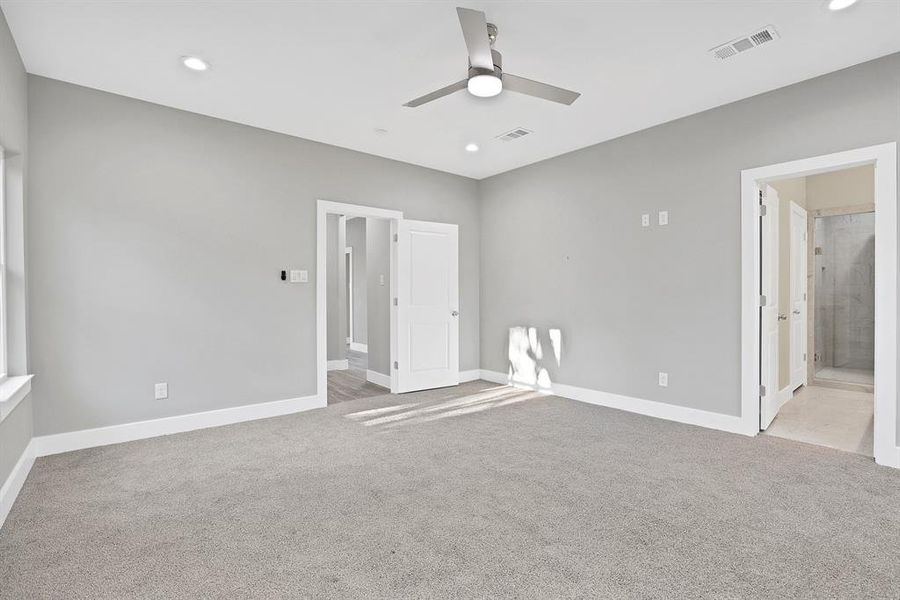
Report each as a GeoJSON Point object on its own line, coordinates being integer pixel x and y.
{"type": "Point", "coordinates": [864, 376]}
{"type": "Point", "coordinates": [839, 419]}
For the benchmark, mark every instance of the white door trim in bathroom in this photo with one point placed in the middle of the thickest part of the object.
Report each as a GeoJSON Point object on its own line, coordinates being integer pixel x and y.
{"type": "Point", "coordinates": [797, 318]}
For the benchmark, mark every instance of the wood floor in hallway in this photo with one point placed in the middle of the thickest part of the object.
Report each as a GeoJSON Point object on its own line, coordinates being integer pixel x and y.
{"type": "Point", "coordinates": [351, 383]}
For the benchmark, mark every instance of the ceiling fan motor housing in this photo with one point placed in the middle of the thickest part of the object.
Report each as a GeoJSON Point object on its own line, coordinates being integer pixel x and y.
{"type": "Point", "coordinates": [498, 67]}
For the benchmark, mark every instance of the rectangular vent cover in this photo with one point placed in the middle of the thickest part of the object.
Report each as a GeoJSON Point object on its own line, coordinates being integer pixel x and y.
{"type": "Point", "coordinates": [514, 134]}
{"type": "Point", "coordinates": [735, 47]}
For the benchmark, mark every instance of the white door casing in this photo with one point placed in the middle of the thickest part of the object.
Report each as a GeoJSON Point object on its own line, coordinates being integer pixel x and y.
{"type": "Point", "coordinates": [799, 278]}
{"type": "Point", "coordinates": [427, 305]}
{"type": "Point", "coordinates": [348, 269]}
{"type": "Point", "coordinates": [887, 273]}
{"type": "Point", "coordinates": [768, 395]}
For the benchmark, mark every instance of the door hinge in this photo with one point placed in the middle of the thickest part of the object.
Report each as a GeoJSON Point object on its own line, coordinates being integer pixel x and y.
{"type": "Point", "coordinates": [762, 391]}
{"type": "Point", "coordinates": [762, 210]}
{"type": "Point", "coordinates": [762, 300]}
{"type": "Point", "coordinates": [395, 302]}
{"type": "Point", "coordinates": [396, 237]}
{"type": "Point", "coordinates": [396, 365]}
{"type": "Point", "coordinates": [804, 357]}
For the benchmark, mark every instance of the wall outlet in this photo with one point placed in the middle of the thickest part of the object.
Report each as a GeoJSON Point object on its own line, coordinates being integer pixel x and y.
{"type": "Point", "coordinates": [645, 220]}
{"type": "Point", "coordinates": [161, 391]}
{"type": "Point", "coordinates": [663, 217]}
{"type": "Point", "coordinates": [663, 379]}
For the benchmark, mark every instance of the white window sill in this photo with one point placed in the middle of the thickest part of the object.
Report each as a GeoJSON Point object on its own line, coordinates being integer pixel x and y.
{"type": "Point", "coordinates": [12, 391]}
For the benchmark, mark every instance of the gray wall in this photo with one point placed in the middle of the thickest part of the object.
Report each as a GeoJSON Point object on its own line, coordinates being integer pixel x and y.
{"type": "Point", "coordinates": [335, 292]}
{"type": "Point", "coordinates": [155, 241]}
{"type": "Point", "coordinates": [16, 428]}
{"type": "Point", "coordinates": [562, 245]}
{"type": "Point", "coordinates": [378, 256]}
{"type": "Point", "coordinates": [356, 239]}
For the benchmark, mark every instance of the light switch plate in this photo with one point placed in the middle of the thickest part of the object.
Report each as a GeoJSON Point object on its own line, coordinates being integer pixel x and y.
{"type": "Point", "coordinates": [304, 276]}
{"type": "Point", "coordinates": [663, 217]}
{"type": "Point", "coordinates": [161, 391]}
{"type": "Point", "coordinates": [381, 280]}
{"type": "Point", "coordinates": [663, 379]}
{"type": "Point", "coordinates": [645, 220]}
{"type": "Point", "coordinates": [297, 276]}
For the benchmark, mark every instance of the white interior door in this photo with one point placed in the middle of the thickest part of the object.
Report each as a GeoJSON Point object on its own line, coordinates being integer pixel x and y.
{"type": "Point", "coordinates": [427, 306]}
{"type": "Point", "coordinates": [798, 317]}
{"type": "Point", "coordinates": [768, 392]}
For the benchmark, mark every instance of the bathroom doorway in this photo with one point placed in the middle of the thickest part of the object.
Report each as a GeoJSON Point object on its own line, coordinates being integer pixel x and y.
{"type": "Point", "coordinates": [843, 286]}
{"type": "Point", "coordinates": [817, 316]}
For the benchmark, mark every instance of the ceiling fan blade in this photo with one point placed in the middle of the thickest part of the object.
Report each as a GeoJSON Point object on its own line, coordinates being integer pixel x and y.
{"type": "Point", "coordinates": [474, 27]}
{"type": "Point", "coordinates": [444, 91]}
{"type": "Point", "coordinates": [538, 89]}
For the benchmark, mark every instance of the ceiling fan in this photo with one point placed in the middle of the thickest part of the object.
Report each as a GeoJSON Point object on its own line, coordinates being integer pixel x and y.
{"type": "Point", "coordinates": [486, 77]}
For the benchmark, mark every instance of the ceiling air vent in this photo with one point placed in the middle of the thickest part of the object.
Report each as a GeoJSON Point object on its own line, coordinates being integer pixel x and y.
{"type": "Point", "coordinates": [735, 47]}
{"type": "Point", "coordinates": [514, 134]}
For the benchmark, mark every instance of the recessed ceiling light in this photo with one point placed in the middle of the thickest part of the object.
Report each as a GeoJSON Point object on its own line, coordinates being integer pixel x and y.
{"type": "Point", "coordinates": [471, 147]}
{"type": "Point", "coordinates": [840, 4]}
{"type": "Point", "coordinates": [485, 86]}
{"type": "Point", "coordinates": [194, 63]}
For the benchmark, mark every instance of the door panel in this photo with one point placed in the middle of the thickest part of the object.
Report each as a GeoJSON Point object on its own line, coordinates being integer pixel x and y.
{"type": "Point", "coordinates": [427, 305]}
{"type": "Point", "coordinates": [769, 403]}
{"type": "Point", "coordinates": [799, 322]}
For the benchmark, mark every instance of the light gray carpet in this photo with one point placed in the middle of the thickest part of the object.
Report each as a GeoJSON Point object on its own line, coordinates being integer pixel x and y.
{"type": "Point", "coordinates": [503, 496]}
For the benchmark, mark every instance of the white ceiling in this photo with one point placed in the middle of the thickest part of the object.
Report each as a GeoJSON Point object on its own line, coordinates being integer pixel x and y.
{"type": "Point", "coordinates": [336, 71]}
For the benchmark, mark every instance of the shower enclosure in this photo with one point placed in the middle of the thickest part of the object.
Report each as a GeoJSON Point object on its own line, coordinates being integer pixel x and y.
{"type": "Point", "coordinates": [844, 272]}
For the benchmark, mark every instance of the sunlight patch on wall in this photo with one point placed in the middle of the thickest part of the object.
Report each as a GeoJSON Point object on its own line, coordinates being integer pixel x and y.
{"type": "Point", "coordinates": [526, 354]}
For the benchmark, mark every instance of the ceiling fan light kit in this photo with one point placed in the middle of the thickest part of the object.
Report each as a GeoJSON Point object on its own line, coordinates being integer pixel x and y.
{"type": "Point", "coordinates": [485, 85]}
{"type": "Point", "coordinates": [485, 77]}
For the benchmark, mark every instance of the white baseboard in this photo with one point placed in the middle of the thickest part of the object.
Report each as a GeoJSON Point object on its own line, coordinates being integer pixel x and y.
{"type": "Point", "coordinates": [650, 408]}
{"type": "Point", "coordinates": [471, 375]}
{"type": "Point", "coordinates": [494, 376]}
{"type": "Point", "coordinates": [13, 484]}
{"type": "Point", "coordinates": [115, 434]}
{"type": "Point", "coordinates": [378, 379]}
{"type": "Point", "coordinates": [888, 458]}
{"type": "Point", "coordinates": [338, 365]}
{"type": "Point", "coordinates": [359, 347]}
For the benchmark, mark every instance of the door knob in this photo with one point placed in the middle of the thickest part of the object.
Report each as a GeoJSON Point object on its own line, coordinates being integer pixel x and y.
{"type": "Point", "coordinates": [782, 317]}
{"type": "Point", "coordinates": [796, 311]}
{"type": "Point", "coordinates": [455, 313]}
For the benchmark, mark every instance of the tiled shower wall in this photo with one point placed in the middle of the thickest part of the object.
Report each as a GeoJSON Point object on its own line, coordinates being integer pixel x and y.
{"type": "Point", "coordinates": [845, 291]}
